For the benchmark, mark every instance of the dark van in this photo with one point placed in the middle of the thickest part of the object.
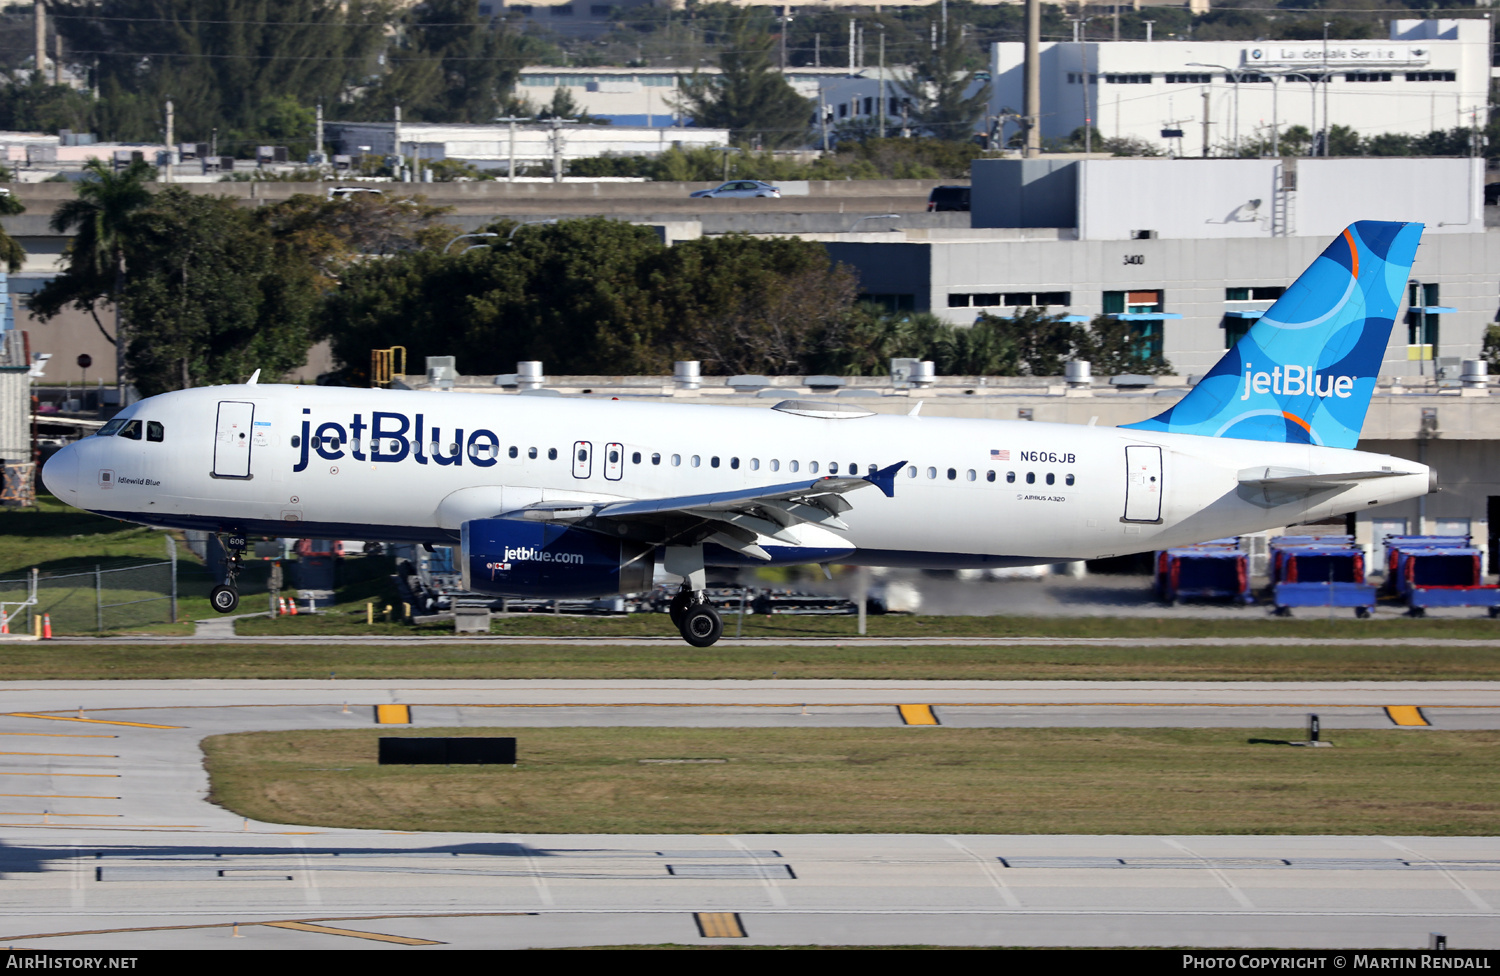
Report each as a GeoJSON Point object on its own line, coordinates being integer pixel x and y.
{"type": "Point", "coordinates": [950, 198]}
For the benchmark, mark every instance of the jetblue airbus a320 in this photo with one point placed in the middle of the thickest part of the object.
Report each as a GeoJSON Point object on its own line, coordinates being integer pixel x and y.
{"type": "Point", "coordinates": [550, 498]}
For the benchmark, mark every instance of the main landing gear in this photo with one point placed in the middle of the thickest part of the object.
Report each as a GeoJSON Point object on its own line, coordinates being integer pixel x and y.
{"type": "Point", "coordinates": [692, 614]}
{"type": "Point", "coordinates": [696, 618]}
{"type": "Point", "coordinates": [225, 597]}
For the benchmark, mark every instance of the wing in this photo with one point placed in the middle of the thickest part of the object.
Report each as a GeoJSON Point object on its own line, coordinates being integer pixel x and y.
{"type": "Point", "coordinates": [733, 519]}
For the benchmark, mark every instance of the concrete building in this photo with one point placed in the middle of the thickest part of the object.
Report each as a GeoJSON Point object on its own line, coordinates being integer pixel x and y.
{"type": "Point", "coordinates": [1192, 251]}
{"type": "Point", "coordinates": [1430, 75]}
{"type": "Point", "coordinates": [490, 146]}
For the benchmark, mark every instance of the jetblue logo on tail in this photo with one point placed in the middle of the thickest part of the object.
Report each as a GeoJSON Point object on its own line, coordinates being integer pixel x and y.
{"type": "Point", "coordinates": [1294, 380]}
{"type": "Point", "coordinates": [1305, 371]}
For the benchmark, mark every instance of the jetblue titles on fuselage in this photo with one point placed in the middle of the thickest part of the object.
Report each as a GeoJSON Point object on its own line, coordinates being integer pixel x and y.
{"type": "Point", "coordinates": [394, 437]}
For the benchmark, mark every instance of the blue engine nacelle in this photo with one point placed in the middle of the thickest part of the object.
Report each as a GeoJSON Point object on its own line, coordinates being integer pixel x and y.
{"type": "Point", "coordinates": [511, 557]}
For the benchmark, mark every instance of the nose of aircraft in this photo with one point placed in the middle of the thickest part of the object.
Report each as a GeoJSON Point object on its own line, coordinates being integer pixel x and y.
{"type": "Point", "coordinates": [60, 473]}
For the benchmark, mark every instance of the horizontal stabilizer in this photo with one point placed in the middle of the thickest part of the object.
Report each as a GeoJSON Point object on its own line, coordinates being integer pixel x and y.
{"type": "Point", "coordinates": [1292, 479]}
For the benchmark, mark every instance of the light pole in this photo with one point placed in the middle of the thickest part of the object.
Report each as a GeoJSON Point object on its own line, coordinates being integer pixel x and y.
{"type": "Point", "coordinates": [510, 171]}
{"type": "Point", "coordinates": [1234, 78]}
{"type": "Point", "coordinates": [525, 223]}
{"type": "Point", "coordinates": [463, 236]}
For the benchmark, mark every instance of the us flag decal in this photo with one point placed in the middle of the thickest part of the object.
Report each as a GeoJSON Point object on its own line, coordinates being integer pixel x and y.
{"type": "Point", "coordinates": [999, 455]}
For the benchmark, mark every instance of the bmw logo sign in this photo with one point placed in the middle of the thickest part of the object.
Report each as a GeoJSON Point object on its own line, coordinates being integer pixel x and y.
{"type": "Point", "coordinates": [1255, 54]}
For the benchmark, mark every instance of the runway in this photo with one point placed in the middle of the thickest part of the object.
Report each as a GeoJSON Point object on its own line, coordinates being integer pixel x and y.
{"type": "Point", "coordinates": [107, 839]}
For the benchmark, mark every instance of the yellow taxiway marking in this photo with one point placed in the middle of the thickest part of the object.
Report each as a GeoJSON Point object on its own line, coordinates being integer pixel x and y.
{"type": "Point", "coordinates": [1409, 715]}
{"type": "Point", "coordinates": [225, 925]}
{"type": "Point", "coordinates": [59, 796]}
{"type": "Point", "coordinates": [719, 925]}
{"type": "Point", "coordinates": [75, 755]}
{"type": "Point", "coordinates": [329, 930]}
{"type": "Point", "coordinates": [392, 714]}
{"type": "Point", "coordinates": [917, 715]}
{"type": "Point", "coordinates": [94, 721]}
{"type": "Point", "coordinates": [28, 813]}
{"type": "Point", "coordinates": [65, 735]}
{"type": "Point", "coordinates": [82, 775]}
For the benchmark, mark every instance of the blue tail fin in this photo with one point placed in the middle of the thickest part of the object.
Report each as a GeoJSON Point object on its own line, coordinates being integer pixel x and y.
{"type": "Point", "coordinates": [1305, 371]}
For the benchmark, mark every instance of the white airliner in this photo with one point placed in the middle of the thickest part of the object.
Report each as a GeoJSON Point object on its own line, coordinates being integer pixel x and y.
{"type": "Point", "coordinates": [563, 497]}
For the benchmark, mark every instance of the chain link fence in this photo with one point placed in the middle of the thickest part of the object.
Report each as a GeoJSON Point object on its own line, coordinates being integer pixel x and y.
{"type": "Point", "coordinates": [97, 600]}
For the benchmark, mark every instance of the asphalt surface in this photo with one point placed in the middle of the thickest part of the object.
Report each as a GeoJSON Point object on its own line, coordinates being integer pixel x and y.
{"type": "Point", "coordinates": [107, 840]}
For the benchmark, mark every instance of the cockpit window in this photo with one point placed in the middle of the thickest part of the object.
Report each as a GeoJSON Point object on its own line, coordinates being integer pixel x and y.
{"type": "Point", "coordinates": [109, 429]}
{"type": "Point", "coordinates": [156, 432]}
{"type": "Point", "coordinates": [132, 430]}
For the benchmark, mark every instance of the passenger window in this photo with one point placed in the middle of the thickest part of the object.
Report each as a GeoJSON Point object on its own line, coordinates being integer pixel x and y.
{"type": "Point", "coordinates": [833, 467]}
{"type": "Point", "coordinates": [932, 472]}
{"type": "Point", "coordinates": [676, 460]}
{"type": "Point", "coordinates": [713, 462]}
{"type": "Point", "coordinates": [1068, 480]}
{"type": "Point", "coordinates": [656, 459]}
{"type": "Point", "coordinates": [155, 432]}
{"type": "Point", "coordinates": [132, 430]}
{"type": "Point", "coordinates": [697, 460]}
{"type": "Point", "coordinates": [635, 458]}
{"type": "Point", "coordinates": [911, 471]}
{"type": "Point", "coordinates": [791, 465]}
{"type": "Point", "coordinates": [972, 475]}
{"type": "Point", "coordinates": [952, 474]}
{"type": "Point", "coordinates": [812, 466]}
{"type": "Point", "coordinates": [734, 463]}
{"type": "Point", "coordinates": [1051, 478]}
{"type": "Point", "coordinates": [755, 464]}
{"type": "Point", "coordinates": [552, 454]}
{"type": "Point", "coordinates": [989, 476]}
{"type": "Point", "coordinates": [1031, 477]}
{"type": "Point", "coordinates": [531, 453]}
{"type": "Point", "coordinates": [775, 464]}
{"type": "Point", "coordinates": [514, 451]}
{"type": "Point", "coordinates": [583, 455]}
{"type": "Point", "coordinates": [1010, 477]}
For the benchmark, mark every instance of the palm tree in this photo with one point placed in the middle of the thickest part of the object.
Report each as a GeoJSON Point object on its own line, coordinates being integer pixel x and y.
{"type": "Point", "coordinates": [99, 218]}
{"type": "Point", "coordinates": [12, 254]}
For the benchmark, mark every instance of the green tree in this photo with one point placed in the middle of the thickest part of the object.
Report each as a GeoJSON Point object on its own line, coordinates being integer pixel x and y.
{"type": "Point", "coordinates": [742, 304]}
{"type": "Point", "coordinates": [749, 98]}
{"type": "Point", "coordinates": [446, 63]}
{"type": "Point", "coordinates": [97, 259]}
{"type": "Point", "coordinates": [229, 65]}
{"type": "Point", "coordinates": [12, 254]}
{"type": "Point", "coordinates": [938, 87]}
{"type": "Point", "coordinates": [33, 105]}
{"type": "Point", "coordinates": [211, 297]}
{"type": "Point", "coordinates": [1114, 348]}
{"type": "Point", "coordinates": [563, 106]}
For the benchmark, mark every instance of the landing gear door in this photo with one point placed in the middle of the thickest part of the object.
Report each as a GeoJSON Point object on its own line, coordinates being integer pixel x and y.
{"type": "Point", "coordinates": [232, 438]}
{"type": "Point", "coordinates": [1143, 486]}
{"type": "Point", "coordinates": [583, 459]}
{"type": "Point", "coordinates": [614, 461]}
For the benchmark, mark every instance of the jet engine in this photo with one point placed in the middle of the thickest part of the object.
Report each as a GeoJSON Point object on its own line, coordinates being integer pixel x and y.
{"type": "Point", "coordinates": [516, 558]}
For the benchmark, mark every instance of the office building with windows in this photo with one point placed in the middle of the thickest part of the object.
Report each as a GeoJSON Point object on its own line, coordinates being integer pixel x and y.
{"type": "Point", "coordinates": [1195, 98]}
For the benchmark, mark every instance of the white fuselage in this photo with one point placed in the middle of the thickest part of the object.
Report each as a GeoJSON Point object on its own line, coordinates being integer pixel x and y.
{"type": "Point", "coordinates": [973, 492]}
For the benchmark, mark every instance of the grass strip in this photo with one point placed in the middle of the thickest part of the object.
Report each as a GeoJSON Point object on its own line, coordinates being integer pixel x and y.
{"type": "Point", "coordinates": [350, 621]}
{"type": "Point", "coordinates": [41, 661]}
{"type": "Point", "coordinates": [929, 780]}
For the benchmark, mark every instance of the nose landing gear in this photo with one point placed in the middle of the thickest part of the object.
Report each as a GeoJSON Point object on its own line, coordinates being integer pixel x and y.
{"type": "Point", "coordinates": [225, 598]}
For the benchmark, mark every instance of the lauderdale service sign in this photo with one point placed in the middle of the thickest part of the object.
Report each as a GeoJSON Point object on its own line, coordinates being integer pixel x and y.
{"type": "Point", "coordinates": [1340, 55]}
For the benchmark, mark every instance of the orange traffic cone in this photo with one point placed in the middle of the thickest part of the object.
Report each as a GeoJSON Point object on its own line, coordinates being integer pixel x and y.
{"type": "Point", "coordinates": [293, 602]}
{"type": "Point", "coordinates": [4, 622]}
{"type": "Point", "coordinates": [281, 606]}
{"type": "Point", "coordinates": [46, 626]}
